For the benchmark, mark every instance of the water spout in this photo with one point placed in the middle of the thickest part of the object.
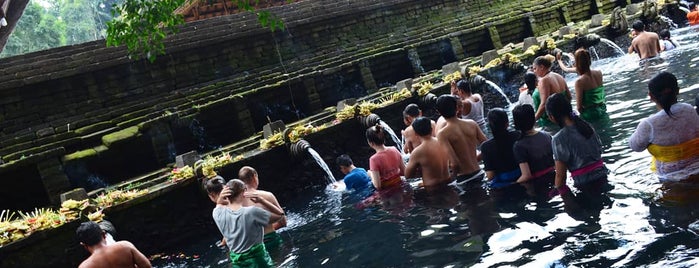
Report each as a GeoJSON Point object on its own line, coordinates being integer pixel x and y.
{"type": "Point", "coordinates": [593, 51]}
{"type": "Point", "coordinates": [393, 135]}
{"type": "Point", "coordinates": [613, 45]}
{"type": "Point", "coordinates": [370, 120]}
{"type": "Point", "coordinates": [301, 147]}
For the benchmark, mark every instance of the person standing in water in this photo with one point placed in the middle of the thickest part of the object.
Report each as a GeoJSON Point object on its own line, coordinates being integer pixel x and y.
{"type": "Point", "coordinates": [589, 88]}
{"type": "Point", "coordinates": [646, 44]}
{"type": "Point", "coordinates": [356, 179]}
{"type": "Point", "coordinates": [533, 150]}
{"type": "Point", "coordinates": [693, 14]}
{"type": "Point", "coordinates": [249, 176]}
{"type": "Point", "coordinates": [118, 254]}
{"type": "Point", "coordinates": [666, 42]}
{"type": "Point", "coordinates": [411, 140]}
{"type": "Point", "coordinates": [526, 91]}
{"type": "Point", "coordinates": [472, 103]}
{"type": "Point", "coordinates": [386, 166]}
{"type": "Point", "coordinates": [429, 160]}
{"type": "Point", "coordinates": [499, 163]}
{"type": "Point", "coordinates": [549, 84]}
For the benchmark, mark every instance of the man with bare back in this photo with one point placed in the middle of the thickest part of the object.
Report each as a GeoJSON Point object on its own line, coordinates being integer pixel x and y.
{"type": "Point", "coordinates": [646, 44]}
{"type": "Point", "coordinates": [429, 158]}
{"type": "Point", "coordinates": [249, 176]}
{"type": "Point", "coordinates": [118, 254]}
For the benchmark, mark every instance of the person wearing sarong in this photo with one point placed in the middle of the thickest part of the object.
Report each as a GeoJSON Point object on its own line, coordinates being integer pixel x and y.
{"type": "Point", "coordinates": [589, 88]}
{"type": "Point", "coordinates": [532, 150]}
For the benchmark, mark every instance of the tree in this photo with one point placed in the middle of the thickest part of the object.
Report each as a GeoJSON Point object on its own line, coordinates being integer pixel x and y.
{"type": "Point", "coordinates": [142, 25]}
{"type": "Point", "coordinates": [36, 30]}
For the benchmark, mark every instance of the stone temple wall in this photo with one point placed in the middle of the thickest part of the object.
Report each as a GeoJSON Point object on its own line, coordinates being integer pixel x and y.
{"type": "Point", "coordinates": [87, 110]}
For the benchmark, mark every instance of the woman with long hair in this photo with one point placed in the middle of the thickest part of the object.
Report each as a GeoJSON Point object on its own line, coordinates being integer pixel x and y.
{"type": "Point", "coordinates": [533, 150]}
{"type": "Point", "coordinates": [589, 88]}
{"type": "Point", "coordinates": [498, 158]}
{"type": "Point", "coordinates": [386, 165]}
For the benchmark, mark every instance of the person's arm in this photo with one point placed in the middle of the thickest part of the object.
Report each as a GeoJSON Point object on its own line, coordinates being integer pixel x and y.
{"type": "Point", "coordinates": [561, 169]}
{"type": "Point", "coordinates": [275, 213]}
{"type": "Point", "coordinates": [480, 136]}
{"type": "Point", "coordinates": [375, 179]}
{"type": "Point", "coordinates": [223, 196]}
{"type": "Point", "coordinates": [526, 172]}
{"type": "Point", "coordinates": [579, 95]}
{"type": "Point", "coordinates": [566, 68]}
{"type": "Point", "coordinates": [489, 174]}
{"type": "Point", "coordinates": [640, 139]}
{"type": "Point", "coordinates": [402, 165]}
{"type": "Point", "coordinates": [282, 221]}
{"type": "Point", "coordinates": [466, 107]}
{"type": "Point", "coordinates": [657, 43]}
{"type": "Point", "coordinates": [543, 94]}
{"type": "Point", "coordinates": [413, 164]}
{"type": "Point", "coordinates": [139, 259]}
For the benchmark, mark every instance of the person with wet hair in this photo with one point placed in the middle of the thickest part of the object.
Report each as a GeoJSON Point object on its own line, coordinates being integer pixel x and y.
{"type": "Point", "coordinates": [243, 227]}
{"type": "Point", "coordinates": [533, 149]}
{"type": "Point", "coordinates": [410, 140]}
{"type": "Point", "coordinates": [356, 179]}
{"type": "Point", "coordinates": [576, 148]}
{"type": "Point", "coordinates": [589, 88]}
{"type": "Point", "coordinates": [526, 91]}
{"type": "Point", "coordinates": [472, 103]}
{"type": "Point", "coordinates": [646, 44]}
{"type": "Point", "coordinates": [461, 139]}
{"type": "Point", "coordinates": [666, 42]}
{"type": "Point", "coordinates": [670, 135]}
{"type": "Point", "coordinates": [249, 176]}
{"type": "Point", "coordinates": [386, 166]}
{"type": "Point", "coordinates": [549, 84]}
{"type": "Point", "coordinates": [118, 254]}
{"type": "Point", "coordinates": [429, 160]}
{"type": "Point", "coordinates": [499, 163]}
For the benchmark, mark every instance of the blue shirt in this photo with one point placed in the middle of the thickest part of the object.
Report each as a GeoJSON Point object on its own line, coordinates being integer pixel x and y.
{"type": "Point", "coordinates": [357, 179]}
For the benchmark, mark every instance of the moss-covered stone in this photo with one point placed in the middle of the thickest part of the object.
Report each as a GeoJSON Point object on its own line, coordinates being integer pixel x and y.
{"type": "Point", "coordinates": [83, 155]}
{"type": "Point", "coordinates": [93, 128]}
{"type": "Point", "coordinates": [120, 135]}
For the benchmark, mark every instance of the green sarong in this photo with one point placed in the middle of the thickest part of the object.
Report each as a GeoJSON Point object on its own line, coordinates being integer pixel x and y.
{"type": "Point", "coordinates": [272, 240]}
{"type": "Point", "coordinates": [593, 101]}
{"type": "Point", "coordinates": [256, 256]}
{"type": "Point", "coordinates": [544, 119]}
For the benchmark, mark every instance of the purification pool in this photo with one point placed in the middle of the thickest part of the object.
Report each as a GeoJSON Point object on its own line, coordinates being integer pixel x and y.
{"type": "Point", "coordinates": [482, 228]}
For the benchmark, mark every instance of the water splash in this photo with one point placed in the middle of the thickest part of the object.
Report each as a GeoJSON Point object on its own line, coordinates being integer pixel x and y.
{"type": "Point", "coordinates": [613, 45]}
{"type": "Point", "coordinates": [593, 51]}
{"type": "Point", "coordinates": [319, 160]}
{"type": "Point", "coordinates": [499, 90]}
{"type": "Point", "coordinates": [393, 135]}
{"type": "Point", "coordinates": [415, 60]}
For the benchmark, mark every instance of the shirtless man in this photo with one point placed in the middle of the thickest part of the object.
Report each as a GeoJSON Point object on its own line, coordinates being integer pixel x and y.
{"type": "Point", "coordinates": [118, 254]}
{"type": "Point", "coordinates": [459, 137]}
{"type": "Point", "coordinates": [429, 157]}
{"type": "Point", "coordinates": [646, 44]}
{"type": "Point", "coordinates": [249, 176]}
{"type": "Point", "coordinates": [459, 106]}
{"type": "Point", "coordinates": [411, 112]}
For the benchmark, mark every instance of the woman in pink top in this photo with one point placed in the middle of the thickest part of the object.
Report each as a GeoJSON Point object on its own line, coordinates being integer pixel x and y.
{"type": "Point", "coordinates": [386, 165]}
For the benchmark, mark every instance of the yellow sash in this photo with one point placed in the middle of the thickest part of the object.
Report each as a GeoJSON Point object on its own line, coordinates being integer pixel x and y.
{"type": "Point", "coordinates": [674, 153]}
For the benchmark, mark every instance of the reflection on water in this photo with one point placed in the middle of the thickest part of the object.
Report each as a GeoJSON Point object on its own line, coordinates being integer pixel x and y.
{"type": "Point", "coordinates": [472, 227]}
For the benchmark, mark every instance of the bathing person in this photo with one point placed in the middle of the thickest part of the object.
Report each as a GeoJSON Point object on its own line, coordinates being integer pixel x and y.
{"type": "Point", "coordinates": [533, 150]}
{"type": "Point", "coordinates": [386, 166]}
{"type": "Point", "coordinates": [411, 112]}
{"type": "Point", "coordinates": [589, 89]}
{"type": "Point", "coordinates": [460, 138]}
{"type": "Point", "coordinates": [666, 43]}
{"type": "Point", "coordinates": [472, 103]}
{"type": "Point", "coordinates": [576, 148]}
{"type": "Point", "coordinates": [500, 166]}
{"type": "Point", "coordinates": [693, 15]}
{"type": "Point", "coordinates": [429, 160]}
{"type": "Point", "coordinates": [549, 84]}
{"type": "Point", "coordinates": [526, 91]}
{"type": "Point", "coordinates": [646, 44]}
{"type": "Point", "coordinates": [671, 135]}
{"type": "Point", "coordinates": [118, 254]}
{"type": "Point", "coordinates": [243, 227]}
{"type": "Point", "coordinates": [249, 176]}
{"type": "Point", "coordinates": [356, 179]}
{"type": "Point", "coordinates": [441, 122]}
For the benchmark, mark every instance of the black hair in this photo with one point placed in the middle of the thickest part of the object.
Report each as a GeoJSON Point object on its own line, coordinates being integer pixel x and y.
{"type": "Point", "coordinates": [214, 185]}
{"type": "Point", "coordinates": [89, 233]}
{"type": "Point", "coordinates": [558, 106]}
{"type": "Point", "coordinates": [422, 126]}
{"type": "Point", "coordinates": [663, 87]}
{"type": "Point", "coordinates": [376, 135]}
{"type": "Point", "coordinates": [237, 188]}
{"type": "Point", "coordinates": [543, 61]}
{"type": "Point", "coordinates": [692, 5]}
{"type": "Point", "coordinates": [446, 106]}
{"type": "Point", "coordinates": [638, 26]}
{"type": "Point", "coordinates": [498, 123]}
{"type": "Point", "coordinates": [524, 117]}
{"type": "Point", "coordinates": [530, 81]}
{"type": "Point", "coordinates": [344, 160]}
{"type": "Point", "coordinates": [463, 86]}
{"type": "Point", "coordinates": [664, 33]}
{"type": "Point", "coordinates": [411, 110]}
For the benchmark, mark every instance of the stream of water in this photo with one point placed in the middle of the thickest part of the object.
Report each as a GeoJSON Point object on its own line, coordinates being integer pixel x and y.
{"type": "Point", "coordinates": [490, 228]}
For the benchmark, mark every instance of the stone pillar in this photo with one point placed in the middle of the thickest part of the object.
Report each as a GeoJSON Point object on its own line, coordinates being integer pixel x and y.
{"type": "Point", "coordinates": [596, 7]}
{"type": "Point", "coordinates": [162, 141]}
{"type": "Point", "coordinates": [457, 47]}
{"type": "Point", "coordinates": [54, 179]}
{"type": "Point", "coordinates": [243, 117]}
{"type": "Point", "coordinates": [494, 36]}
{"type": "Point", "coordinates": [314, 103]}
{"type": "Point", "coordinates": [566, 15]}
{"type": "Point", "coordinates": [367, 77]}
{"type": "Point", "coordinates": [532, 25]}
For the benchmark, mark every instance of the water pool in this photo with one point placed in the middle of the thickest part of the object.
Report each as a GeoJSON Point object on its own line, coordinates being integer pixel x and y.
{"type": "Point", "coordinates": [494, 229]}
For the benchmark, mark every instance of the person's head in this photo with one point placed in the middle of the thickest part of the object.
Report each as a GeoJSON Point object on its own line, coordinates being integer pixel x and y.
{"type": "Point", "coordinates": [559, 111]}
{"type": "Point", "coordinates": [692, 6]}
{"type": "Point", "coordinates": [248, 175]}
{"type": "Point", "coordinates": [237, 188]}
{"type": "Point", "coordinates": [582, 61]}
{"type": "Point", "coordinates": [376, 135]}
{"type": "Point", "coordinates": [411, 112]}
{"type": "Point", "coordinates": [663, 90]}
{"type": "Point", "coordinates": [446, 106]}
{"type": "Point", "coordinates": [664, 34]}
{"type": "Point", "coordinates": [498, 122]}
{"type": "Point", "coordinates": [638, 26]}
{"type": "Point", "coordinates": [530, 80]}
{"type": "Point", "coordinates": [422, 126]}
{"type": "Point", "coordinates": [524, 117]}
{"type": "Point", "coordinates": [463, 87]}
{"type": "Point", "coordinates": [89, 234]}
{"type": "Point", "coordinates": [214, 186]}
{"type": "Point", "coordinates": [345, 163]}
{"type": "Point", "coordinates": [541, 65]}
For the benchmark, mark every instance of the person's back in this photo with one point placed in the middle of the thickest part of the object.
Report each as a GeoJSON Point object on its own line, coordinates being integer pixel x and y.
{"type": "Point", "coordinates": [589, 89]}
{"type": "Point", "coordinates": [251, 179]}
{"type": "Point", "coordinates": [646, 44]}
{"type": "Point", "coordinates": [460, 138]}
{"type": "Point", "coordinates": [430, 158]}
{"type": "Point", "coordinates": [498, 158]}
{"type": "Point", "coordinates": [117, 255]}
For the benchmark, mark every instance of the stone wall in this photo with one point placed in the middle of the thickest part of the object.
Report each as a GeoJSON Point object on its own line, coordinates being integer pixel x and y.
{"type": "Point", "coordinates": [91, 107]}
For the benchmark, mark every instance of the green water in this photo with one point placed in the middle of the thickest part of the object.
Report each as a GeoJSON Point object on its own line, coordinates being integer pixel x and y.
{"type": "Point", "coordinates": [492, 229]}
